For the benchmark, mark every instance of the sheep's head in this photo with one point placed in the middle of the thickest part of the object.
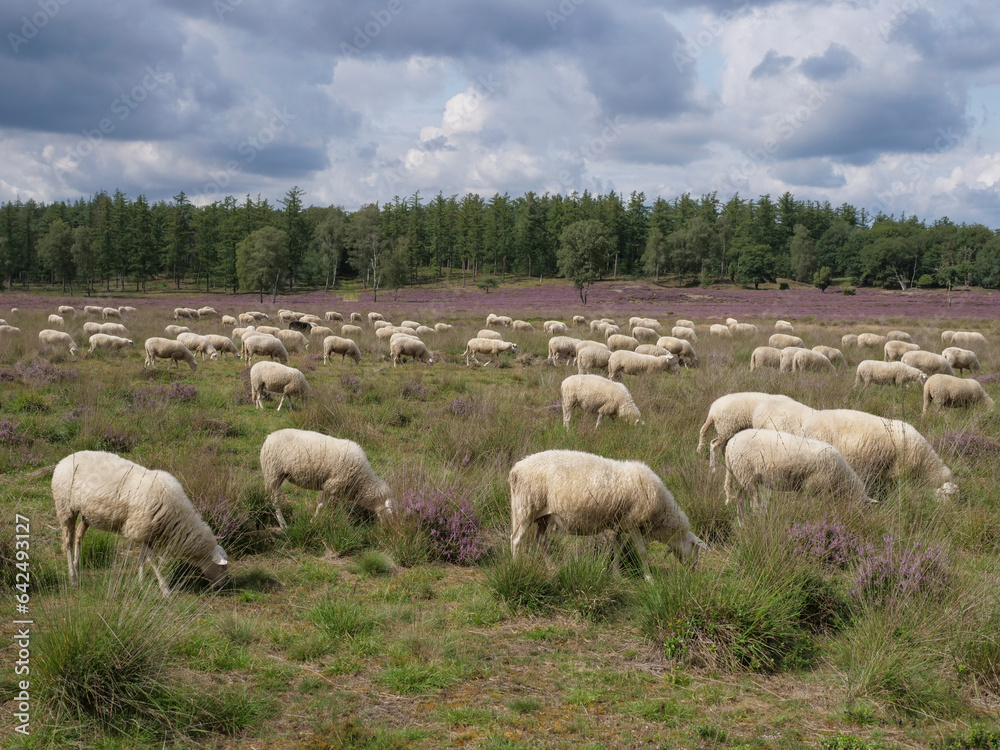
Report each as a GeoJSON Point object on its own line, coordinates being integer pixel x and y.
{"type": "Point", "coordinates": [685, 547]}
{"type": "Point", "coordinates": [947, 491]}
{"type": "Point", "coordinates": [216, 567]}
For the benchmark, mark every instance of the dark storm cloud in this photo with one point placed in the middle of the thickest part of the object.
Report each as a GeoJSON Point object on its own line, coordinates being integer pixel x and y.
{"type": "Point", "coordinates": [808, 173]}
{"type": "Point", "coordinates": [831, 65]}
{"type": "Point", "coordinates": [773, 64]}
{"type": "Point", "coordinates": [968, 43]}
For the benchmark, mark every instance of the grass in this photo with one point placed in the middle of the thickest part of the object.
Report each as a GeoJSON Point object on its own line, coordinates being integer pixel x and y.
{"type": "Point", "coordinates": [345, 633]}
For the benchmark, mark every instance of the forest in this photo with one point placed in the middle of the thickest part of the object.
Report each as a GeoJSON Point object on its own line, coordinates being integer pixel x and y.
{"type": "Point", "coordinates": [113, 242]}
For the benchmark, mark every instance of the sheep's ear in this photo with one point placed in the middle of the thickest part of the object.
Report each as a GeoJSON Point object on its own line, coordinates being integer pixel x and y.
{"type": "Point", "coordinates": [219, 556]}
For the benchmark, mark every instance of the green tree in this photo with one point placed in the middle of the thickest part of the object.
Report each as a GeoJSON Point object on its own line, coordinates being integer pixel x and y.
{"type": "Point", "coordinates": [396, 268]}
{"type": "Point", "coordinates": [328, 245]}
{"type": "Point", "coordinates": [296, 232]}
{"type": "Point", "coordinates": [804, 255]}
{"type": "Point", "coordinates": [655, 256]}
{"type": "Point", "coordinates": [822, 278]}
{"type": "Point", "coordinates": [55, 250]}
{"type": "Point", "coordinates": [367, 245]}
{"type": "Point", "coordinates": [756, 264]}
{"type": "Point", "coordinates": [583, 254]}
{"type": "Point", "coordinates": [261, 258]}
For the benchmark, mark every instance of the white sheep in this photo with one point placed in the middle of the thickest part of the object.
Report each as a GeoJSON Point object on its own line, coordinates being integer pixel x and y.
{"type": "Point", "coordinates": [785, 341]}
{"type": "Point", "coordinates": [968, 340]}
{"type": "Point", "coordinates": [683, 332]}
{"type": "Point", "coordinates": [849, 339]}
{"type": "Point", "coordinates": [486, 347]}
{"type": "Point", "coordinates": [274, 377]}
{"type": "Point", "coordinates": [374, 316]}
{"type": "Point", "coordinates": [67, 311]}
{"type": "Point", "coordinates": [487, 333]}
{"type": "Point", "coordinates": [229, 320]}
{"type": "Point", "coordinates": [287, 316]}
{"type": "Point", "coordinates": [645, 334]}
{"type": "Point", "coordinates": [56, 342]}
{"type": "Point", "coordinates": [899, 336]}
{"type": "Point", "coordinates": [174, 331]}
{"type": "Point", "coordinates": [946, 337]}
{"type": "Point", "coordinates": [207, 311]}
{"type": "Point", "coordinates": [443, 328]}
{"type": "Point", "coordinates": [270, 330]}
{"type": "Point", "coordinates": [831, 353]}
{"type": "Point", "coordinates": [961, 359]}
{"type": "Point", "coordinates": [8, 332]}
{"type": "Point", "coordinates": [523, 326]}
{"type": "Point", "coordinates": [343, 347]}
{"type": "Point", "coordinates": [223, 345]}
{"type": "Point", "coordinates": [126, 309]}
{"type": "Point", "coordinates": [807, 360]}
{"type": "Point", "coordinates": [653, 350]}
{"type": "Point", "coordinates": [198, 344]}
{"type": "Point", "coordinates": [562, 346]}
{"type": "Point", "coordinates": [593, 359]}
{"type": "Point", "coordinates": [294, 341]}
{"type": "Point", "coordinates": [409, 347]}
{"type": "Point", "coordinates": [680, 348]}
{"type": "Point", "coordinates": [928, 362]}
{"type": "Point", "coordinates": [608, 330]}
{"type": "Point", "coordinates": [264, 345]}
{"type": "Point", "coordinates": [350, 330]}
{"type": "Point", "coordinates": [744, 330]}
{"type": "Point", "coordinates": [175, 351]}
{"type": "Point", "coordinates": [683, 323]}
{"type": "Point", "coordinates": [412, 324]}
{"type": "Point", "coordinates": [115, 329]}
{"type": "Point", "coordinates": [94, 310]}
{"type": "Point", "coordinates": [107, 342]}
{"type": "Point", "coordinates": [333, 466]}
{"type": "Point", "coordinates": [717, 329]}
{"type": "Point", "coordinates": [584, 494]}
{"type": "Point", "coordinates": [651, 323]}
{"type": "Point", "coordinates": [246, 319]}
{"type": "Point", "coordinates": [730, 322]}
{"type": "Point", "coordinates": [787, 358]}
{"type": "Point", "coordinates": [620, 341]}
{"type": "Point", "coordinates": [625, 362]}
{"type": "Point", "coordinates": [783, 326]}
{"type": "Point", "coordinates": [948, 390]}
{"type": "Point", "coordinates": [554, 327]}
{"type": "Point", "coordinates": [111, 313]}
{"type": "Point", "coordinates": [240, 333]}
{"type": "Point", "coordinates": [145, 506]}
{"type": "Point", "coordinates": [887, 373]}
{"type": "Point", "coordinates": [90, 328]}
{"type": "Point", "coordinates": [258, 316]}
{"type": "Point", "coordinates": [56, 320]}
{"type": "Point", "coordinates": [310, 319]}
{"type": "Point", "coordinates": [333, 315]}
{"type": "Point", "coordinates": [355, 318]}
{"type": "Point", "coordinates": [786, 462]}
{"type": "Point", "coordinates": [765, 356]}
{"type": "Point", "coordinates": [387, 332]}
{"type": "Point", "coordinates": [593, 394]}
{"type": "Point", "coordinates": [425, 331]}
{"type": "Point", "coordinates": [895, 349]}
{"type": "Point", "coordinates": [181, 312]}
{"type": "Point", "coordinates": [318, 333]}
{"type": "Point", "coordinates": [579, 320]}
{"type": "Point", "coordinates": [871, 341]}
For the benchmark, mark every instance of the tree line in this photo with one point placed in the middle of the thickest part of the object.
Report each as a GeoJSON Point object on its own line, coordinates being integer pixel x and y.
{"type": "Point", "coordinates": [111, 242]}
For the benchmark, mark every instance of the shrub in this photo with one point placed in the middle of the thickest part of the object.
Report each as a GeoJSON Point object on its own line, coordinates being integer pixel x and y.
{"type": "Point", "coordinates": [448, 522]}
{"type": "Point", "coordinates": [523, 584]}
{"type": "Point", "coordinates": [10, 434]}
{"type": "Point", "coordinates": [849, 292]}
{"type": "Point", "coordinates": [829, 543]}
{"type": "Point", "coordinates": [894, 572]}
{"type": "Point", "coordinates": [970, 444]}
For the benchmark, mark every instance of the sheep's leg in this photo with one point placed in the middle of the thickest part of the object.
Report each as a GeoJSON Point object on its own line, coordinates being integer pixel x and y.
{"type": "Point", "coordinates": [147, 555]}
{"type": "Point", "coordinates": [713, 453]}
{"type": "Point", "coordinates": [68, 536]}
{"type": "Point", "coordinates": [640, 547]}
{"type": "Point", "coordinates": [520, 527]}
{"type": "Point", "coordinates": [704, 433]}
{"type": "Point", "coordinates": [282, 400]}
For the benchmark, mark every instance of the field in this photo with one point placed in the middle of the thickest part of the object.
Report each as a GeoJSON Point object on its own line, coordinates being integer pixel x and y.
{"type": "Point", "coordinates": [817, 624]}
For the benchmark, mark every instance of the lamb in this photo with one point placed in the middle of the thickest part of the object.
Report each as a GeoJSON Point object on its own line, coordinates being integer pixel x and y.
{"type": "Point", "coordinates": [333, 466]}
{"type": "Point", "coordinates": [175, 351]}
{"type": "Point", "coordinates": [968, 340]}
{"type": "Point", "coordinates": [274, 377]}
{"type": "Point", "coordinates": [744, 330]}
{"type": "Point", "coordinates": [198, 344]}
{"type": "Point", "coordinates": [593, 394]}
{"type": "Point", "coordinates": [784, 341]}
{"type": "Point", "coordinates": [806, 360]}
{"type": "Point", "coordinates": [899, 336]}
{"type": "Point", "coordinates": [593, 359]}
{"type": "Point", "coordinates": [522, 325]}
{"type": "Point", "coordinates": [223, 345]}
{"type": "Point", "coordinates": [408, 347]}
{"type": "Point", "coordinates": [562, 346]}
{"type": "Point", "coordinates": [443, 328]}
{"type": "Point", "coordinates": [947, 390]}
{"type": "Point", "coordinates": [887, 373]}
{"type": "Point", "coordinates": [111, 313]}
{"type": "Point", "coordinates": [683, 332]}
{"type": "Point", "coordinates": [174, 331]}
{"type": "Point", "coordinates": [150, 507]}
{"type": "Point", "coordinates": [849, 339]}
{"type": "Point", "coordinates": [765, 356]}
{"type": "Point", "coordinates": [895, 349]}
{"type": "Point", "coordinates": [786, 462]}
{"type": "Point", "coordinates": [717, 329]}
{"type": "Point", "coordinates": [783, 326]}
{"type": "Point", "coordinates": [489, 347]}
{"type": "Point", "coordinates": [645, 335]}
{"type": "Point", "coordinates": [110, 343]}
{"type": "Point", "coordinates": [67, 311]}
{"type": "Point", "coordinates": [56, 320]}
{"type": "Point", "coordinates": [831, 353]}
{"type": "Point", "coordinates": [333, 315]}
{"type": "Point", "coordinates": [584, 494]}
{"type": "Point", "coordinates": [928, 362]}
{"type": "Point", "coordinates": [294, 341]}
{"type": "Point", "coordinates": [961, 359]}
{"type": "Point", "coordinates": [56, 342]}
{"type": "Point", "coordinates": [625, 362]}
{"type": "Point", "coordinates": [264, 345]}
{"type": "Point", "coordinates": [343, 347]}
{"type": "Point", "coordinates": [486, 333]}
{"type": "Point", "coordinates": [871, 341]}
{"type": "Point", "coordinates": [229, 320]}
{"type": "Point", "coordinates": [350, 330]}
{"type": "Point", "coordinates": [679, 348]}
{"type": "Point", "coordinates": [618, 341]}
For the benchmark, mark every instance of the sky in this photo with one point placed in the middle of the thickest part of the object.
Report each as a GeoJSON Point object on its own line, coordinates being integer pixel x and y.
{"type": "Point", "coordinates": [889, 105]}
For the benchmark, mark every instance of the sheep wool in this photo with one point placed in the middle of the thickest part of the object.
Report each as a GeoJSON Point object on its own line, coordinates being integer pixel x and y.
{"type": "Point", "coordinates": [175, 351]}
{"type": "Point", "coordinates": [339, 345]}
{"type": "Point", "coordinates": [961, 359]}
{"type": "Point", "coordinates": [625, 362]}
{"type": "Point", "coordinates": [486, 347]}
{"type": "Point", "coordinates": [948, 390]}
{"type": "Point", "coordinates": [887, 373]}
{"type": "Point", "coordinates": [765, 356]}
{"type": "Point", "coordinates": [593, 394]}
{"type": "Point", "coordinates": [593, 359]}
{"type": "Point", "coordinates": [274, 377]}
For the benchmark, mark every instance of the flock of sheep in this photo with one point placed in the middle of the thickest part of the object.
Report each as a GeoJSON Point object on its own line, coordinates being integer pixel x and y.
{"type": "Point", "coordinates": [767, 440]}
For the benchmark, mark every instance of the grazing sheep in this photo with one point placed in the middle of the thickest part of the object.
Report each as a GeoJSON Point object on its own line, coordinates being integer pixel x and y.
{"type": "Point", "coordinates": [241, 333]}
{"type": "Point", "coordinates": [946, 337]}
{"type": "Point", "coordinates": [126, 309]}
{"type": "Point", "coordinates": [107, 342]}
{"type": "Point", "coordinates": [94, 310]}
{"type": "Point", "coordinates": [115, 329]}
{"type": "Point", "coordinates": [899, 336]}
{"type": "Point", "coordinates": [356, 317]}
{"type": "Point", "coordinates": [730, 322]}
{"type": "Point", "coordinates": [343, 347]}
{"type": "Point", "coordinates": [350, 330]}
{"type": "Point", "coordinates": [223, 345]}
{"type": "Point", "coordinates": [619, 341]}
{"type": "Point", "coordinates": [198, 345]}
{"type": "Point", "coordinates": [56, 343]}
{"type": "Point", "coordinates": [229, 320]}
{"type": "Point", "coordinates": [315, 461]}
{"type": "Point", "coordinates": [968, 340]}
{"type": "Point", "coordinates": [146, 506]}
{"type": "Point", "coordinates": [207, 312]}
{"type": "Point", "coordinates": [625, 362]}
{"type": "Point", "coordinates": [264, 345]}
{"type": "Point", "coordinates": [56, 320]}
{"type": "Point", "coordinates": [270, 330]}
{"type": "Point", "coordinates": [505, 320]}
{"type": "Point", "coordinates": [784, 341]}
{"type": "Point", "coordinates": [831, 353]}
{"type": "Point", "coordinates": [8, 332]}
{"type": "Point", "coordinates": [765, 356]}
{"type": "Point", "coordinates": [593, 359]}
{"type": "Point", "coordinates": [258, 316]}
{"type": "Point", "coordinates": [409, 347]}
{"type": "Point", "coordinates": [894, 349]}
{"type": "Point", "coordinates": [783, 326]}
{"type": "Point", "coordinates": [645, 335]}
{"type": "Point", "coordinates": [181, 312]}
{"type": "Point", "coordinates": [90, 328]}
{"type": "Point", "coordinates": [579, 320]}
{"type": "Point", "coordinates": [681, 322]}
{"type": "Point", "coordinates": [300, 326]}
{"type": "Point", "coordinates": [175, 351]}
{"type": "Point", "coordinates": [333, 315]}
{"type": "Point", "coordinates": [111, 313]}
{"type": "Point", "coordinates": [412, 324]}
{"type": "Point", "coordinates": [492, 320]}
{"type": "Point", "coordinates": [928, 362]}
{"type": "Point", "coordinates": [318, 333]}
{"type": "Point", "coordinates": [401, 335]}
{"type": "Point", "coordinates": [311, 319]}
{"type": "Point", "coordinates": [554, 327]}
{"type": "Point", "coordinates": [787, 358]}
{"type": "Point", "coordinates": [582, 343]}
{"type": "Point", "coordinates": [608, 329]}
{"type": "Point", "coordinates": [443, 328]}
{"type": "Point", "coordinates": [383, 324]}
{"type": "Point", "coordinates": [593, 394]}
{"type": "Point", "coordinates": [584, 494]}
{"type": "Point", "coordinates": [522, 325]}
{"type": "Point", "coordinates": [806, 360]}
{"type": "Point", "coordinates": [744, 330]}
{"type": "Point", "coordinates": [425, 331]}
{"type": "Point", "coordinates": [961, 359]}
{"type": "Point", "coordinates": [287, 316]}
{"type": "Point", "coordinates": [786, 462]}
{"type": "Point", "coordinates": [67, 311]}
{"type": "Point", "coordinates": [486, 333]}
{"type": "Point", "coordinates": [246, 319]}
{"type": "Point", "coordinates": [387, 332]}
{"type": "Point", "coordinates": [174, 331]}
{"type": "Point", "coordinates": [948, 390]}
{"type": "Point", "coordinates": [717, 329]}
{"type": "Point", "coordinates": [871, 341]}
{"type": "Point", "coordinates": [652, 350]}
{"type": "Point", "coordinates": [683, 332]}
{"type": "Point", "coordinates": [274, 377]}
{"type": "Point", "coordinates": [849, 339]}
{"type": "Point", "coordinates": [681, 349]}
{"type": "Point", "coordinates": [294, 341]}
{"type": "Point", "coordinates": [374, 316]}
{"type": "Point", "coordinates": [887, 373]}
{"type": "Point", "coordinates": [490, 347]}
{"type": "Point", "coordinates": [595, 325]}
{"type": "Point", "coordinates": [562, 346]}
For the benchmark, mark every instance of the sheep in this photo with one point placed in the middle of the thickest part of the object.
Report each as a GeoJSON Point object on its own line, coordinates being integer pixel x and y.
{"type": "Point", "coordinates": [486, 333]}
{"type": "Point", "coordinates": [744, 330]}
{"type": "Point", "coordinates": [947, 390]}
{"type": "Point", "coordinates": [311, 319]}
{"type": "Point", "coordinates": [595, 325]}
{"type": "Point", "coordinates": [400, 334]}
{"type": "Point", "coordinates": [579, 320]}
{"type": "Point", "coordinates": [343, 347]}
{"type": "Point", "coordinates": [425, 331]}
{"type": "Point", "coordinates": [717, 329]}
{"type": "Point", "coordinates": [294, 341]}
{"type": "Point", "coordinates": [90, 328]}
{"type": "Point", "coordinates": [182, 312]}
{"type": "Point", "coordinates": [895, 349]}
{"type": "Point", "coordinates": [229, 320]}
{"type": "Point", "coordinates": [849, 339]}
{"type": "Point", "coordinates": [879, 449]}
{"type": "Point", "coordinates": [274, 377]}
{"type": "Point", "coordinates": [240, 333]}
{"type": "Point", "coordinates": [887, 373]}
{"type": "Point", "coordinates": [784, 341]}
{"type": "Point", "coordinates": [961, 359]}
{"type": "Point", "coordinates": [333, 466]}
{"type": "Point", "coordinates": [946, 337]}
{"type": "Point", "coordinates": [150, 507]}
{"type": "Point", "coordinates": [258, 316]}
{"type": "Point", "coordinates": [489, 347]}
{"type": "Point", "coordinates": [270, 330]}
{"type": "Point", "coordinates": [554, 327]}
{"type": "Point", "coordinates": [7, 332]}
{"type": "Point", "coordinates": [387, 332]}
{"type": "Point", "coordinates": [356, 317]}
{"type": "Point", "coordinates": [786, 462]}
{"type": "Point", "coordinates": [585, 494]}
{"type": "Point", "coordinates": [107, 342]}
{"type": "Point", "coordinates": [786, 358]}
{"type": "Point", "coordinates": [287, 316]}
{"type": "Point", "coordinates": [207, 312]}
{"type": "Point", "coordinates": [608, 329]}
{"type": "Point", "coordinates": [593, 394]}
{"type": "Point", "coordinates": [730, 322]}
{"type": "Point", "coordinates": [94, 310]}
{"type": "Point", "coordinates": [806, 360]}
{"type": "Point", "coordinates": [300, 326]}
{"type": "Point", "coordinates": [899, 336]}
{"type": "Point", "coordinates": [127, 309]}
{"type": "Point", "coordinates": [56, 320]}
{"type": "Point", "coordinates": [223, 345]}
{"type": "Point", "coordinates": [562, 346]}
{"type": "Point", "coordinates": [115, 329]}
{"type": "Point", "coordinates": [333, 315]}
{"type": "Point", "coordinates": [505, 320]}
{"type": "Point", "coordinates": [175, 351]}
{"type": "Point", "coordinates": [618, 341]}
{"type": "Point", "coordinates": [198, 344]}
{"type": "Point", "coordinates": [645, 335]}
{"type": "Point", "coordinates": [765, 356]}
{"type": "Point", "coordinates": [414, 348]}
{"type": "Point", "coordinates": [683, 332]}
{"type": "Point", "coordinates": [443, 328]}
{"type": "Point", "coordinates": [831, 353]}
{"type": "Point", "coordinates": [590, 359]}
{"type": "Point", "coordinates": [968, 340]}
{"type": "Point", "coordinates": [67, 311]}
{"type": "Point", "coordinates": [522, 325]}
{"type": "Point", "coordinates": [350, 330]}
{"type": "Point", "coordinates": [625, 362]}
{"type": "Point", "coordinates": [264, 345]}
{"type": "Point", "coordinates": [783, 326]}
{"type": "Point", "coordinates": [382, 324]}
{"type": "Point", "coordinates": [410, 324]}
{"type": "Point", "coordinates": [111, 313]}
{"type": "Point", "coordinates": [318, 333]}
{"type": "Point", "coordinates": [653, 350]}
{"type": "Point", "coordinates": [928, 362]}
{"type": "Point", "coordinates": [583, 343]}
{"type": "Point", "coordinates": [56, 342]}
{"type": "Point", "coordinates": [492, 320]}
{"type": "Point", "coordinates": [246, 319]}
{"type": "Point", "coordinates": [871, 341]}
{"type": "Point", "coordinates": [373, 316]}
{"type": "Point", "coordinates": [174, 331]}
{"type": "Point", "coordinates": [679, 348]}
{"type": "Point", "coordinates": [684, 323]}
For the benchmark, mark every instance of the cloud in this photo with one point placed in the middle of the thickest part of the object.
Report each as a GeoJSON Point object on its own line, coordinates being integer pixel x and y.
{"type": "Point", "coordinates": [772, 65]}
{"type": "Point", "coordinates": [831, 65]}
{"type": "Point", "coordinates": [808, 173]}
